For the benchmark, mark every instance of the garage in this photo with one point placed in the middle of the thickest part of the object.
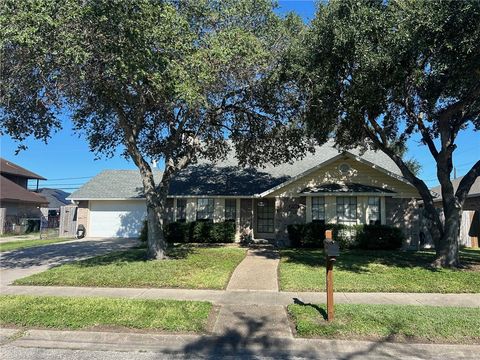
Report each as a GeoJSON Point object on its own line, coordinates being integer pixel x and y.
{"type": "Point", "coordinates": [116, 218]}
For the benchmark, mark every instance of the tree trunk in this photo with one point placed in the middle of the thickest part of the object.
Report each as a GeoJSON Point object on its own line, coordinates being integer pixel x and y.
{"type": "Point", "coordinates": [157, 245]}
{"type": "Point", "coordinates": [447, 250]}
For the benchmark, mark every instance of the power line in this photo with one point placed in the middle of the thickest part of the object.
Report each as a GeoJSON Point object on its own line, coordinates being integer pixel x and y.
{"type": "Point", "coordinates": [71, 178]}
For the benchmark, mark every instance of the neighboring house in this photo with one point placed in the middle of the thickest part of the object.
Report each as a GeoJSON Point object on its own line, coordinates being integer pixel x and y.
{"type": "Point", "coordinates": [330, 186]}
{"type": "Point", "coordinates": [56, 199]}
{"type": "Point", "coordinates": [18, 205]}
{"type": "Point", "coordinates": [470, 226]}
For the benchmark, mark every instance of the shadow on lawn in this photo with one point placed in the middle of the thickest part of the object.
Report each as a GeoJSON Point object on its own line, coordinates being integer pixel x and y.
{"type": "Point", "coordinates": [134, 255]}
{"type": "Point", "coordinates": [358, 260]}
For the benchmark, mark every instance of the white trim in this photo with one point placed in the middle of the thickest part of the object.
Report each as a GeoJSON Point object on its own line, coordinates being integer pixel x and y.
{"type": "Point", "coordinates": [172, 197]}
{"type": "Point", "coordinates": [331, 160]}
{"type": "Point", "coordinates": [299, 176]}
{"type": "Point", "coordinates": [350, 193]}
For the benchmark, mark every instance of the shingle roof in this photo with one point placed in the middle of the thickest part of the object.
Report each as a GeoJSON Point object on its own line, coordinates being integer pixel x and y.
{"type": "Point", "coordinates": [345, 188]}
{"type": "Point", "coordinates": [9, 167]}
{"type": "Point", "coordinates": [222, 178]}
{"type": "Point", "coordinates": [55, 197]}
{"type": "Point", "coordinates": [474, 190]}
{"type": "Point", "coordinates": [9, 191]}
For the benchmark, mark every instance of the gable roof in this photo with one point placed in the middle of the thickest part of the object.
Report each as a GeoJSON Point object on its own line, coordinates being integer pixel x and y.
{"type": "Point", "coordinates": [226, 178]}
{"type": "Point", "coordinates": [9, 191]}
{"type": "Point", "coordinates": [8, 167]}
{"type": "Point", "coordinates": [55, 197]}
{"type": "Point", "coordinates": [474, 190]}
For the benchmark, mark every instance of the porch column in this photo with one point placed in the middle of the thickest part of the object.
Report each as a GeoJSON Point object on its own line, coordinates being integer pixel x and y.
{"type": "Point", "coordinates": [237, 220]}
{"type": "Point", "coordinates": [383, 211]}
{"type": "Point", "coordinates": [174, 209]}
{"type": "Point", "coordinates": [308, 209]}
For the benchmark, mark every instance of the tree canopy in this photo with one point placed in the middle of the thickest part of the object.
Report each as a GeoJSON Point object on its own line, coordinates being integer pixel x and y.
{"type": "Point", "coordinates": [171, 80]}
{"type": "Point", "coordinates": [378, 72]}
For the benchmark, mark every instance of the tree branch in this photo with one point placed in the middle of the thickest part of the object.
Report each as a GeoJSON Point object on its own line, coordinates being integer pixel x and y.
{"type": "Point", "coordinates": [467, 182]}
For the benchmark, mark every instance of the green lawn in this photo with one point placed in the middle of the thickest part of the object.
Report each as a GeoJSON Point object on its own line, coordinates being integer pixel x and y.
{"type": "Point", "coordinates": [378, 271]}
{"type": "Point", "coordinates": [23, 244]}
{"type": "Point", "coordinates": [390, 322]}
{"type": "Point", "coordinates": [187, 267]}
{"type": "Point", "coordinates": [79, 313]}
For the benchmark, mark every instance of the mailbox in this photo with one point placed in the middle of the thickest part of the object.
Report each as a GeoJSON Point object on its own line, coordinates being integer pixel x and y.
{"type": "Point", "coordinates": [332, 249]}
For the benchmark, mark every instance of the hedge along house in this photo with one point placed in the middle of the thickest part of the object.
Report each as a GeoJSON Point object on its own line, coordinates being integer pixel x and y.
{"type": "Point", "coordinates": [328, 186]}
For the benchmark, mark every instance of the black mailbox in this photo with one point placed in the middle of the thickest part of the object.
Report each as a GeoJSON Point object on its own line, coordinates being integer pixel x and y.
{"type": "Point", "coordinates": [332, 249]}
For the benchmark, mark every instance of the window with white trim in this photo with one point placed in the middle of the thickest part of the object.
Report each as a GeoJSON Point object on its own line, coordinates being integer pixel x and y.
{"type": "Point", "coordinates": [318, 208]}
{"type": "Point", "coordinates": [230, 209]}
{"type": "Point", "coordinates": [374, 217]}
{"type": "Point", "coordinates": [347, 210]}
{"type": "Point", "coordinates": [205, 207]}
{"type": "Point", "coordinates": [181, 210]}
{"type": "Point", "coordinates": [266, 216]}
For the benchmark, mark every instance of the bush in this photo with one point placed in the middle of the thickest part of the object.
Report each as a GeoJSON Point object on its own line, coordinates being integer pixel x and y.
{"type": "Point", "coordinates": [195, 232]}
{"type": "Point", "coordinates": [380, 237]}
{"type": "Point", "coordinates": [311, 235]}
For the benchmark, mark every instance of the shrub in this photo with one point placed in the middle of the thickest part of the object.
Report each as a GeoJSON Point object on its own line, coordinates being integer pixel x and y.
{"type": "Point", "coordinates": [380, 237]}
{"type": "Point", "coordinates": [195, 232]}
{"type": "Point", "coordinates": [311, 235]}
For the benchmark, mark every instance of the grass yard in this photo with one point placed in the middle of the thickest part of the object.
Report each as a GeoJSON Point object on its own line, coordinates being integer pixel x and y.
{"type": "Point", "coordinates": [187, 267]}
{"type": "Point", "coordinates": [378, 271]}
{"type": "Point", "coordinates": [81, 313]}
{"type": "Point", "coordinates": [389, 322]}
{"type": "Point", "coordinates": [23, 244]}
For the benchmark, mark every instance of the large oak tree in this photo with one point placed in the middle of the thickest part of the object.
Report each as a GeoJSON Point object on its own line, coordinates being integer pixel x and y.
{"type": "Point", "coordinates": [378, 72]}
{"type": "Point", "coordinates": [163, 80]}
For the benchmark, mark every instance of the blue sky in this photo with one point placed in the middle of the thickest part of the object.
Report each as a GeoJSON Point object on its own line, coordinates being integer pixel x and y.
{"type": "Point", "coordinates": [67, 162]}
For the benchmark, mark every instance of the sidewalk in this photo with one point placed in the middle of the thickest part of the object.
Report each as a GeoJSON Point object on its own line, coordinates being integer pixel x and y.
{"type": "Point", "coordinates": [34, 344]}
{"type": "Point", "coordinates": [250, 297]}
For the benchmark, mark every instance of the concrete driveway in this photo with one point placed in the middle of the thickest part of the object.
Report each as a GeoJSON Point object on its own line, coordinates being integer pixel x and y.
{"type": "Point", "coordinates": [20, 263]}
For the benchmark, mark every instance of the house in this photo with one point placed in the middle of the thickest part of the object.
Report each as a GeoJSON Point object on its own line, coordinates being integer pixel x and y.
{"type": "Point", "coordinates": [470, 225]}
{"type": "Point", "coordinates": [56, 199]}
{"type": "Point", "coordinates": [332, 186]}
{"type": "Point", "coordinates": [18, 205]}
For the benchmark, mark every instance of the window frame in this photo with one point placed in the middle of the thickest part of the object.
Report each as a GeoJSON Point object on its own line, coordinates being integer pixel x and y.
{"type": "Point", "coordinates": [181, 211]}
{"type": "Point", "coordinates": [266, 217]}
{"type": "Point", "coordinates": [230, 209]}
{"type": "Point", "coordinates": [343, 216]}
{"type": "Point", "coordinates": [318, 208]}
{"type": "Point", "coordinates": [378, 211]}
{"type": "Point", "coordinates": [205, 212]}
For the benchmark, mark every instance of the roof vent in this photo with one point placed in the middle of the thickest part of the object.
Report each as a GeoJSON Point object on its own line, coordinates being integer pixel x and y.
{"type": "Point", "coordinates": [344, 168]}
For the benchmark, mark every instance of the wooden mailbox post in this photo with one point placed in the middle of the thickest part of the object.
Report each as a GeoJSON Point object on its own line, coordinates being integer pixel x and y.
{"type": "Point", "coordinates": [332, 250]}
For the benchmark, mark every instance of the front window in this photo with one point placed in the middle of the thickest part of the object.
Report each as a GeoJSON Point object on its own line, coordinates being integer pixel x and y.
{"type": "Point", "coordinates": [265, 216]}
{"type": "Point", "coordinates": [318, 208]}
{"type": "Point", "coordinates": [374, 210]}
{"type": "Point", "coordinates": [181, 210]}
{"type": "Point", "coordinates": [347, 210]}
{"type": "Point", "coordinates": [230, 209]}
{"type": "Point", "coordinates": [205, 209]}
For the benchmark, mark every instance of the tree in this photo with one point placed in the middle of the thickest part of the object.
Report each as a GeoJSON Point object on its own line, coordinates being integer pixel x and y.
{"type": "Point", "coordinates": [167, 80]}
{"type": "Point", "coordinates": [379, 72]}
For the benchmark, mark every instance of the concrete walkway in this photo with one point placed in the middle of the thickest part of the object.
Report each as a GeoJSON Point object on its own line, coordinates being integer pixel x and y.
{"type": "Point", "coordinates": [258, 271]}
{"type": "Point", "coordinates": [250, 297]}
{"type": "Point", "coordinates": [50, 344]}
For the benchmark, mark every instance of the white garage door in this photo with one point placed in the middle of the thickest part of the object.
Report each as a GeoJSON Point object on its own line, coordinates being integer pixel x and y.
{"type": "Point", "coordinates": [122, 218]}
